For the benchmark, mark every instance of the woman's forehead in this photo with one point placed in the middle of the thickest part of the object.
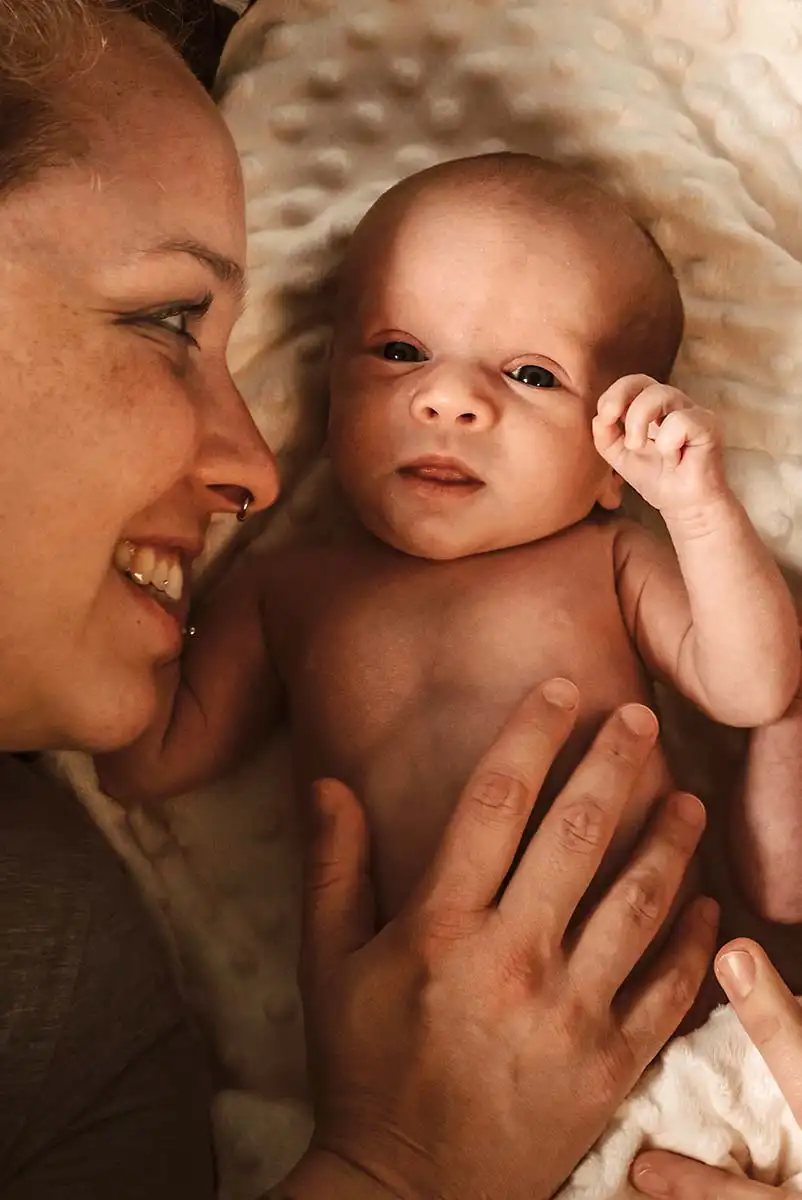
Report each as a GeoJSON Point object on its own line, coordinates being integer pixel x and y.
{"type": "Point", "coordinates": [160, 167]}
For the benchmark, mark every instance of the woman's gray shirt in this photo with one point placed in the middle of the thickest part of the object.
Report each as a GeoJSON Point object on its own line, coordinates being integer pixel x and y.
{"type": "Point", "coordinates": [104, 1093]}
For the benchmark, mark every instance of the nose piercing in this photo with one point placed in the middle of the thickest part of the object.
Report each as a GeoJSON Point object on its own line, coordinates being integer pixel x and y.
{"type": "Point", "coordinates": [246, 504]}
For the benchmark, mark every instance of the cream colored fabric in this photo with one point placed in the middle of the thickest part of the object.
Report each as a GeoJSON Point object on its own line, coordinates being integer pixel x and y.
{"type": "Point", "coordinates": [710, 1096]}
{"type": "Point", "coordinates": [693, 112]}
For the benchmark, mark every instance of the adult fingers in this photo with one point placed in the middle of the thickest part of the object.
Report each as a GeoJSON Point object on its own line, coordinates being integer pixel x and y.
{"type": "Point", "coordinates": [618, 932]}
{"type": "Point", "coordinates": [338, 900]}
{"type": "Point", "coordinates": [768, 1012]}
{"type": "Point", "coordinates": [563, 856]}
{"type": "Point", "coordinates": [490, 817]}
{"type": "Point", "coordinates": [651, 1009]}
{"type": "Point", "coordinates": [665, 1175]}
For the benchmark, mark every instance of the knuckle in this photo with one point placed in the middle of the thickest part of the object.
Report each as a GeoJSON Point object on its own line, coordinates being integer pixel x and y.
{"type": "Point", "coordinates": [499, 795]}
{"type": "Point", "coordinates": [764, 1029]}
{"type": "Point", "coordinates": [644, 897]}
{"type": "Point", "coordinates": [581, 826]}
{"type": "Point", "coordinates": [614, 1067]}
{"type": "Point", "coordinates": [682, 984]}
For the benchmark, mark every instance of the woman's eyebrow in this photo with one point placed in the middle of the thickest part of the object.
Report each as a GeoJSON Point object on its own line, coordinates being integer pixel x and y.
{"type": "Point", "coordinates": [224, 269]}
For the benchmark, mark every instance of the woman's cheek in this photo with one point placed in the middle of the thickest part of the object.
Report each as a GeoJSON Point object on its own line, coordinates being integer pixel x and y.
{"type": "Point", "coordinates": [161, 440]}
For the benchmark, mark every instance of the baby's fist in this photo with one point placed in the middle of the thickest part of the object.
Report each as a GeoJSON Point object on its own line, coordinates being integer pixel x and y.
{"type": "Point", "coordinates": [660, 442]}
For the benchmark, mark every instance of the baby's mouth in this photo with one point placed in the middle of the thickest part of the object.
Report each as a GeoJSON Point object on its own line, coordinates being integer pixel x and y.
{"type": "Point", "coordinates": [158, 571]}
{"type": "Point", "coordinates": [445, 472]}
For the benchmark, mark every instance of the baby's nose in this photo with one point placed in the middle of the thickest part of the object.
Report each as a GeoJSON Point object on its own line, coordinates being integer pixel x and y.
{"type": "Point", "coordinates": [456, 405]}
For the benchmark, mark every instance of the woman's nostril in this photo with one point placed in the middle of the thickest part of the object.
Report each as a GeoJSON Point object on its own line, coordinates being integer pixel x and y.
{"type": "Point", "coordinates": [240, 498]}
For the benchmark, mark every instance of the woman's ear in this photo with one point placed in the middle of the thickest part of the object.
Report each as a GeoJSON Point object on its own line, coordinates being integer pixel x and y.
{"type": "Point", "coordinates": [611, 491]}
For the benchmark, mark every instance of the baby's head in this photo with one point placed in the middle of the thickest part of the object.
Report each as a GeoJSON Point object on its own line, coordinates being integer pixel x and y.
{"type": "Point", "coordinates": [484, 306]}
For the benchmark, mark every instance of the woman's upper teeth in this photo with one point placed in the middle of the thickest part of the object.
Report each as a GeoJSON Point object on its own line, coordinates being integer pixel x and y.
{"type": "Point", "coordinates": [151, 567]}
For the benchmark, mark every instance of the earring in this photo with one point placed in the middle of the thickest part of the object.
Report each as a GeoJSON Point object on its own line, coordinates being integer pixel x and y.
{"type": "Point", "coordinates": [246, 504]}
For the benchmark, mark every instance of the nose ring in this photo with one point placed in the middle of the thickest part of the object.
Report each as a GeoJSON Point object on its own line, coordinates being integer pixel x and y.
{"type": "Point", "coordinates": [247, 501]}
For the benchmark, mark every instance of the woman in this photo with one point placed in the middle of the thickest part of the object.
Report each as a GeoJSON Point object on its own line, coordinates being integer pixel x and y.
{"type": "Point", "coordinates": [448, 1047]}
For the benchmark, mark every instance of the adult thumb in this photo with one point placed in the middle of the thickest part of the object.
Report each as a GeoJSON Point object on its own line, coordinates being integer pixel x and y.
{"type": "Point", "coordinates": [339, 912]}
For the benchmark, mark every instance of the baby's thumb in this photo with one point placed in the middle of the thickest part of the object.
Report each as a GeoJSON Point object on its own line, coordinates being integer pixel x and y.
{"type": "Point", "coordinates": [338, 909]}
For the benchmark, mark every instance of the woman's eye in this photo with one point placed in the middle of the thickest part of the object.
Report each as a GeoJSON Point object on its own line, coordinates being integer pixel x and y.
{"type": "Point", "coordinates": [177, 323]}
{"type": "Point", "coordinates": [174, 319]}
{"type": "Point", "coordinates": [402, 352]}
{"type": "Point", "coordinates": [534, 376]}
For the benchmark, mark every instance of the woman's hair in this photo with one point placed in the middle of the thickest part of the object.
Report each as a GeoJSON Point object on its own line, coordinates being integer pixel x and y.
{"type": "Point", "coordinates": [44, 43]}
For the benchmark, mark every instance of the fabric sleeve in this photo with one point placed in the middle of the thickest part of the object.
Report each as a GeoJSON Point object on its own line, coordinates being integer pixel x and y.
{"type": "Point", "coordinates": [104, 1089]}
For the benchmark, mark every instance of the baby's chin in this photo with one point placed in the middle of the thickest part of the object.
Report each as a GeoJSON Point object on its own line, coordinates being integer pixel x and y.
{"type": "Point", "coordinates": [446, 545]}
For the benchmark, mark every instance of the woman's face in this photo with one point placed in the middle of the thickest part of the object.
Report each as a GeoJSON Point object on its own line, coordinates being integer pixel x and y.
{"type": "Point", "coordinates": [120, 280]}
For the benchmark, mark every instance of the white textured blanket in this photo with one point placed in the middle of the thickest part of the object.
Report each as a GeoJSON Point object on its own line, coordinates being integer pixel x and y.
{"type": "Point", "coordinates": [709, 1096]}
{"type": "Point", "coordinates": [692, 109]}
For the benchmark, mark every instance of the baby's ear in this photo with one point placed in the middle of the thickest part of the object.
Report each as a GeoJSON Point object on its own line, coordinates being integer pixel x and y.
{"type": "Point", "coordinates": [610, 492]}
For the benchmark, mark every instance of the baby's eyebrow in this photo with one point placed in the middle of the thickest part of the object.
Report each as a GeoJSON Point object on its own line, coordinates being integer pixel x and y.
{"type": "Point", "coordinates": [228, 272]}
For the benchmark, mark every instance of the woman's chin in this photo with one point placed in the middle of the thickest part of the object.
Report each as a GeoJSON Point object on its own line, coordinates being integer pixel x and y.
{"type": "Point", "coordinates": [108, 718]}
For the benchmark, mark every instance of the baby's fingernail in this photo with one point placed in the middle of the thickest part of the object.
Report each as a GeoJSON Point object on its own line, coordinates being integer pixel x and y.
{"type": "Point", "coordinates": [646, 1179]}
{"type": "Point", "coordinates": [561, 693]}
{"type": "Point", "coordinates": [736, 972]}
{"type": "Point", "coordinates": [639, 719]}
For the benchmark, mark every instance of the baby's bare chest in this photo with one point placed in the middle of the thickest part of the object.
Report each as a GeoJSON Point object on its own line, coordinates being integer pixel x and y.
{"type": "Point", "coordinates": [390, 655]}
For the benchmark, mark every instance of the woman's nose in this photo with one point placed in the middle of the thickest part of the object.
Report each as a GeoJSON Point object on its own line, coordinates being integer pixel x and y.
{"type": "Point", "coordinates": [453, 399]}
{"type": "Point", "coordinates": [234, 461]}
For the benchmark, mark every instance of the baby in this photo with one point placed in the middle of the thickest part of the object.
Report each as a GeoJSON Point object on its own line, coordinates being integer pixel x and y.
{"type": "Point", "coordinates": [504, 332]}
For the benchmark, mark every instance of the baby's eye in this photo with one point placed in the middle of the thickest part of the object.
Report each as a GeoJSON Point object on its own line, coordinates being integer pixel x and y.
{"type": "Point", "coordinates": [402, 352]}
{"type": "Point", "coordinates": [534, 376]}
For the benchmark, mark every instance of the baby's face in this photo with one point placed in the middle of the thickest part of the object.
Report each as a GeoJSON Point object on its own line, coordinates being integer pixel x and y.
{"type": "Point", "coordinates": [466, 376]}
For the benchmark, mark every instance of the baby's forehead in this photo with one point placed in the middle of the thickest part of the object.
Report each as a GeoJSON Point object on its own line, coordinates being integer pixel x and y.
{"type": "Point", "coordinates": [511, 216]}
{"type": "Point", "coordinates": [437, 237]}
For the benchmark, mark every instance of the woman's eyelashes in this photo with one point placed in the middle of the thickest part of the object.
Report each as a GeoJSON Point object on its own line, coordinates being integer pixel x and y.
{"type": "Point", "coordinates": [533, 375]}
{"type": "Point", "coordinates": [175, 319]}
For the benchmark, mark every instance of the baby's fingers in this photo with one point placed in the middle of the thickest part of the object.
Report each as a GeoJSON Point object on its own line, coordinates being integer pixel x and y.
{"type": "Point", "coordinates": [616, 400]}
{"type": "Point", "coordinates": [646, 411]}
{"type": "Point", "coordinates": [689, 427]}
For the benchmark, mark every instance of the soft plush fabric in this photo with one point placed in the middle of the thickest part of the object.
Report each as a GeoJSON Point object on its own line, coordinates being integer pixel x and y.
{"type": "Point", "coordinates": [693, 112]}
{"type": "Point", "coordinates": [709, 1096]}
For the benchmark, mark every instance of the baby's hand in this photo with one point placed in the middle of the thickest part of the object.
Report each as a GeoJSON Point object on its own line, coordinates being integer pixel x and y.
{"type": "Point", "coordinates": [660, 443]}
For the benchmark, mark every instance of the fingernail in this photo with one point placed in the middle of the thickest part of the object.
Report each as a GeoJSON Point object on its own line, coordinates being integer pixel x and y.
{"type": "Point", "coordinates": [689, 808]}
{"type": "Point", "coordinates": [561, 693]}
{"type": "Point", "coordinates": [639, 719]}
{"type": "Point", "coordinates": [646, 1179]}
{"type": "Point", "coordinates": [736, 971]}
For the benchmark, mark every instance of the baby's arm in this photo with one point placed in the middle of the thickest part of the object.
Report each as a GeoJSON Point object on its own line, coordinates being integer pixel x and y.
{"type": "Point", "coordinates": [719, 621]}
{"type": "Point", "coordinates": [214, 704]}
{"type": "Point", "coordinates": [767, 830]}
